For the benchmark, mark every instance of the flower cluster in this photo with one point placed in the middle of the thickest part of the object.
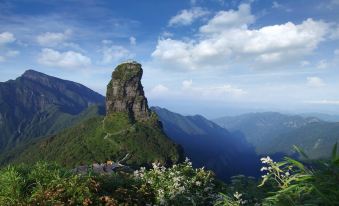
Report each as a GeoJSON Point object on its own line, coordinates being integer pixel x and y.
{"type": "Point", "coordinates": [181, 184]}
{"type": "Point", "coordinates": [279, 172]}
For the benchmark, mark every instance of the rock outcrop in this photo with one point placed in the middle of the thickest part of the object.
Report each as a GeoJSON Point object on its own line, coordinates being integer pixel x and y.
{"type": "Point", "coordinates": [125, 92]}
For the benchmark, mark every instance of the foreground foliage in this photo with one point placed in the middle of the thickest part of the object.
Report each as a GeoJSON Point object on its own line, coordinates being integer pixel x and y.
{"type": "Point", "coordinates": [315, 183]}
{"type": "Point", "coordinates": [49, 184]}
{"type": "Point", "coordinates": [289, 182]}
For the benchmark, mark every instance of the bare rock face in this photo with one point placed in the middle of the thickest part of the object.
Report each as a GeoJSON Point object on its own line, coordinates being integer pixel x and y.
{"type": "Point", "coordinates": [125, 92]}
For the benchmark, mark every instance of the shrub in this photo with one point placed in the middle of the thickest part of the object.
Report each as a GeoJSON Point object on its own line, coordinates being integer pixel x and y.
{"type": "Point", "coordinates": [315, 183]}
{"type": "Point", "coordinates": [180, 184]}
{"type": "Point", "coordinates": [11, 186]}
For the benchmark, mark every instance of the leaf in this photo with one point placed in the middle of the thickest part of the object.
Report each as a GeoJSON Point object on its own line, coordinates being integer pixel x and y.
{"type": "Point", "coordinates": [263, 182]}
{"type": "Point", "coordinates": [334, 151]}
{"type": "Point", "coordinates": [300, 151]}
{"type": "Point", "coordinates": [296, 163]}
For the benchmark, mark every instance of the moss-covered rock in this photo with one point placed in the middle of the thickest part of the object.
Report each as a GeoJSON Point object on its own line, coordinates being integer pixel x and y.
{"type": "Point", "coordinates": [125, 92]}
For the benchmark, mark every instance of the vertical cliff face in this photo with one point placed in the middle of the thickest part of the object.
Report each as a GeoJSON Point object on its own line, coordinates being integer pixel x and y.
{"type": "Point", "coordinates": [125, 92]}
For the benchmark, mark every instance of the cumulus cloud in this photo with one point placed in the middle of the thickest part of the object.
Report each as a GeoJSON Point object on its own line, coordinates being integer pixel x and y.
{"type": "Point", "coordinates": [159, 89]}
{"type": "Point", "coordinates": [5, 55]}
{"type": "Point", "coordinates": [6, 37]}
{"type": "Point", "coordinates": [227, 38]}
{"type": "Point", "coordinates": [187, 17]}
{"type": "Point", "coordinates": [325, 101]}
{"type": "Point", "coordinates": [276, 5]}
{"type": "Point", "coordinates": [304, 63]}
{"type": "Point", "coordinates": [315, 82]}
{"type": "Point", "coordinates": [12, 53]}
{"type": "Point", "coordinates": [322, 64]}
{"type": "Point", "coordinates": [224, 20]}
{"type": "Point", "coordinates": [216, 91]}
{"type": "Point", "coordinates": [5, 52]}
{"type": "Point", "coordinates": [113, 53]}
{"type": "Point", "coordinates": [132, 40]}
{"type": "Point", "coordinates": [52, 39]}
{"type": "Point", "coordinates": [68, 59]}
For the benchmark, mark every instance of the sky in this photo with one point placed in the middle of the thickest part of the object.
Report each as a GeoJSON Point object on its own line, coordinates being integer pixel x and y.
{"type": "Point", "coordinates": [209, 57]}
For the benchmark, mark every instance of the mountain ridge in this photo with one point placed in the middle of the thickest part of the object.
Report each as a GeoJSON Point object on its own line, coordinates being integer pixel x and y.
{"type": "Point", "coordinates": [272, 132]}
{"type": "Point", "coordinates": [35, 98]}
{"type": "Point", "coordinates": [210, 146]}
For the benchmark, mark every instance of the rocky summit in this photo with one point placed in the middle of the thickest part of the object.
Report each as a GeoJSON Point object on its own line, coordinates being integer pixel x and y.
{"type": "Point", "coordinates": [125, 92]}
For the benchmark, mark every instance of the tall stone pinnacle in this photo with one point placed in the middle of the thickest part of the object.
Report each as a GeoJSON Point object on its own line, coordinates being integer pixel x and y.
{"type": "Point", "coordinates": [125, 92]}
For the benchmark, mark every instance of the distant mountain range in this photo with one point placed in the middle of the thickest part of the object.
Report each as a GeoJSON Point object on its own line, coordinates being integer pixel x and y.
{"type": "Point", "coordinates": [35, 105]}
{"type": "Point", "coordinates": [210, 145]}
{"type": "Point", "coordinates": [322, 116]}
{"type": "Point", "coordinates": [271, 132]}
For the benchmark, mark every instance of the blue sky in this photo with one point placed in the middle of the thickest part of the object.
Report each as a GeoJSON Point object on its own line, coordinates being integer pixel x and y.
{"type": "Point", "coordinates": [212, 57]}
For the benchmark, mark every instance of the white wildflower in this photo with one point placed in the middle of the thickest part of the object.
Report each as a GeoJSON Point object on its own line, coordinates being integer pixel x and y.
{"type": "Point", "coordinates": [266, 160]}
{"type": "Point", "coordinates": [237, 195]}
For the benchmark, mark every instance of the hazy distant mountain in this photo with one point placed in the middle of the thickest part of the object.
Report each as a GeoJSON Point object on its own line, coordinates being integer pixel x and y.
{"type": "Point", "coordinates": [210, 145]}
{"type": "Point", "coordinates": [317, 139]}
{"type": "Point", "coordinates": [272, 132]}
{"type": "Point", "coordinates": [322, 116]}
{"type": "Point", "coordinates": [36, 104]}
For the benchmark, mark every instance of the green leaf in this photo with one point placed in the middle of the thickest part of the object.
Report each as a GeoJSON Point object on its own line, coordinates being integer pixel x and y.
{"type": "Point", "coordinates": [334, 151]}
{"type": "Point", "coordinates": [300, 151]}
{"type": "Point", "coordinates": [296, 163]}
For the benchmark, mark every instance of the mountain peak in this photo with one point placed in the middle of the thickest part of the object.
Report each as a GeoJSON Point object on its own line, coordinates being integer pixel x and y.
{"type": "Point", "coordinates": [125, 92]}
{"type": "Point", "coordinates": [32, 73]}
{"type": "Point", "coordinates": [36, 76]}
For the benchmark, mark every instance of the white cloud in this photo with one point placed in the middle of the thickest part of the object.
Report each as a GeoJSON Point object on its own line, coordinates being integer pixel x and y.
{"type": "Point", "coordinates": [52, 39]}
{"type": "Point", "coordinates": [68, 59]}
{"type": "Point", "coordinates": [12, 53]}
{"type": "Point", "coordinates": [322, 64]}
{"type": "Point", "coordinates": [187, 84]}
{"type": "Point", "coordinates": [315, 82]}
{"type": "Point", "coordinates": [193, 2]}
{"type": "Point", "coordinates": [226, 38]}
{"type": "Point", "coordinates": [187, 17]}
{"type": "Point", "coordinates": [159, 90]}
{"type": "Point", "coordinates": [6, 37]}
{"type": "Point", "coordinates": [4, 56]}
{"type": "Point", "coordinates": [166, 34]}
{"type": "Point", "coordinates": [224, 20]}
{"type": "Point", "coordinates": [304, 63]}
{"type": "Point", "coordinates": [216, 91]}
{"type": "Point", "coordinates": [335, 2]}
{"type": "Point", "coordinates": [276, 5]}
{"type": "Point", "coordinates": [327, 102]}
{"type": "Point", "coordinates": [132, 40]}
{"type": "Point", "coordinates": [114, 53]}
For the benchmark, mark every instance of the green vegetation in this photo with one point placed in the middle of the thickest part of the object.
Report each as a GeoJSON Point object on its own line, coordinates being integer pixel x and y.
{"type": "Point", "coordinates": [36, 105]}
{"type": "Point", "coordinates": [285, 183]}
{"type": "Point", "coordinates": [101, 138]}
{"type": "Point", "coordinates": [49, 184]}
{"type": "Point", "coordinates": [299, 184]}
{"type": "Point", "coordinates": [126, 71]}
